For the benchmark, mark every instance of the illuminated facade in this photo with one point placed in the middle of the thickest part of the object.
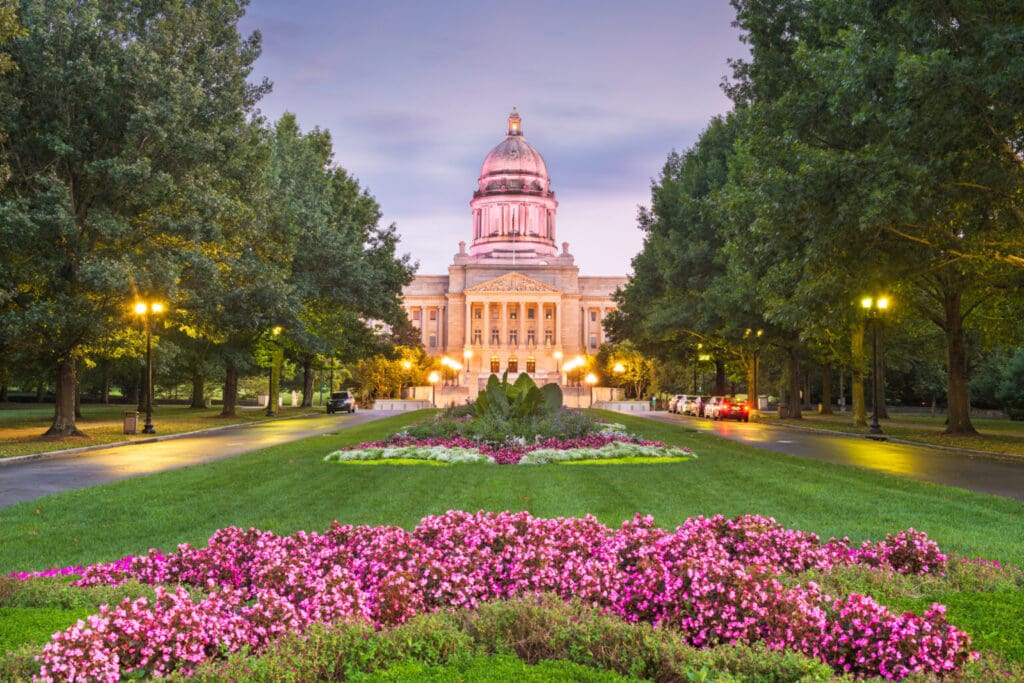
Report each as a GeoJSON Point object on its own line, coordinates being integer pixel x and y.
{"type": "Point", "coordinates": [512, 301]}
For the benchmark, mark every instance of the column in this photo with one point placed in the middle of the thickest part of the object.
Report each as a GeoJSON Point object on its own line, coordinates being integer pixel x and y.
{"type": "Point", "coordinates": [558, 324]}
{"type": "Point", "coordinates": [503, 339]}
{"type": "Point", "coordinates": [468, 336]}
{"type": "Point", "coordinates": [521, 338]}
{"type": "Point", "coordinates": [586, 329]}
{"type": "Point", "coordinates": [423, 326]}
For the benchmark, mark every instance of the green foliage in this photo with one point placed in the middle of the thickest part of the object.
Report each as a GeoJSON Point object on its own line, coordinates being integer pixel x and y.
{"type": "Point", "coordinates": [1010, 393]}
{"type": "Point", "coordinates": [516, 401]}
{"type": "Point", "coordinates": [34, 626]}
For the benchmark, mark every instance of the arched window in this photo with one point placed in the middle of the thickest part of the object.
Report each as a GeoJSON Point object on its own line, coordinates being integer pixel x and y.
{"type": "Point", "coordinates": [495, 364]}
{"type": "Point", "coordinates": [531, 364]}
{"type": "Point", "coordinates": [513, 364]}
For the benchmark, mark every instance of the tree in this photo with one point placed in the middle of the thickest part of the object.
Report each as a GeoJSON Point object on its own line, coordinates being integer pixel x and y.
{"type": "Point", "coordinates": [118, 112]}
{"type": "Point", "coordinates": [909, 108]}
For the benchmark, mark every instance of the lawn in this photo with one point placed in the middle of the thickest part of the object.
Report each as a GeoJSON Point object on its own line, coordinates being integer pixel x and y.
{"type": "Point", "coordinates": [289, 487]}
{"type": "Point", "coordinates": [995, 435]}
{"type": "Point", "coordinates": [22, 425]}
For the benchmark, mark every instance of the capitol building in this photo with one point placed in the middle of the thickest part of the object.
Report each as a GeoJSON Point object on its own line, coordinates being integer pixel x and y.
{"type": "Point", "coordinates": [514, 300]}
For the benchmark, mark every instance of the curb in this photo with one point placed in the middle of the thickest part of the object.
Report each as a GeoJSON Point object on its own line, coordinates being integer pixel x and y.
{"type": "Point", "coordinates": [14, 459]}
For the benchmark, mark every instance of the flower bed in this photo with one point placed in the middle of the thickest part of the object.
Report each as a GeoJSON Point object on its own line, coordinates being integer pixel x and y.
{"type": "Point", "coordinates": [713, 580]}
{"type": "Point", "coordinates": [599, 446]}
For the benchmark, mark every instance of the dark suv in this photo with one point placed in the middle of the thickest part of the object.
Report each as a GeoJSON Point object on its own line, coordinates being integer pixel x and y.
{"type": "Point", "coordinates": [341, 400]}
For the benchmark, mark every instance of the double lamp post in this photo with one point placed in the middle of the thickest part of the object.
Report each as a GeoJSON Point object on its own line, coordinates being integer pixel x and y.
{"type": "Point", "coordinates": [874, 308]}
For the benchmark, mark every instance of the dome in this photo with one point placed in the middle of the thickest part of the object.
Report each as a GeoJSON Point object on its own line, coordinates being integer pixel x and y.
{"type": "Point", "coordinates": [514, 207]}
{"type": "Point", "coordinates": [514, 156]}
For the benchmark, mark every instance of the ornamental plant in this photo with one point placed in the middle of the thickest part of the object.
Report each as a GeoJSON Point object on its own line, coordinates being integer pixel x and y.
{"type": "Point", "coordinates": [711, 581]}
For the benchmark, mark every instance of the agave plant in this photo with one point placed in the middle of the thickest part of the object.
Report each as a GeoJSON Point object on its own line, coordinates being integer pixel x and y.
{"type": "Point", "coordinates": [521, 399]}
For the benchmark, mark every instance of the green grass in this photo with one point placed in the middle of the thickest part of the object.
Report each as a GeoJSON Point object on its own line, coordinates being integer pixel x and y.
{"type": "Point", "coordinates": [491, 668]}
{"type": "Point", "coordinates": [35, 625]}
{"type": "Point", "coordinates": [288, 488]}
{"type": "Point", "coordinates": [22, 428]}
{"type": "Point", "coordinates": [994, 435]}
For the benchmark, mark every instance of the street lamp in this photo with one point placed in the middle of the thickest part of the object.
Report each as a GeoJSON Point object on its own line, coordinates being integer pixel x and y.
{"type": "Point", "coordinates": [433, 378]}
{"type": "Point", "coordinates": [591, 380]}
{"type": "Point", "coordinates": [558, 365]}
{"type": "Point", "coordinates": [467, 356]}
{"type": "Point", "coordinates": [755, 388]}
{"type": "Point", "coordinates": [146, 309]}
{"type": "Point", "coordinates": [874, 308]}
{"type": "Point", "coordinates": [274, 332]}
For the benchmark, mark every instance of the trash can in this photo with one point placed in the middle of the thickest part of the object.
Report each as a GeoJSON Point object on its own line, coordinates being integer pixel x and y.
{"type": "Point", "coordinates": [131, 422]}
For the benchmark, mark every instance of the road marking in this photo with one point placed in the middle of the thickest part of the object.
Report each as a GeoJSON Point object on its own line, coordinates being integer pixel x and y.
{"type": "Point", "coordinates": [783, 441]}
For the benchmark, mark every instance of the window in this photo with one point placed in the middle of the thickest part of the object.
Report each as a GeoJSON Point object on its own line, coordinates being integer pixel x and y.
{"type": "Point", "coordinates": [513, 337]}
{"type": "Point", "coordinates": [477, 313]}
{"type": "Point", "coordinates": [531, 337]}
{"type": "Point", "coordinates": [531, 313]}
{"type": "Point", "coordinates": [433, 314]}
{"type": "Point", "coordinates": [593, 341]}
{"type": "Point", "coordinates": [547, 314]}
{"type": "Point", "coordinates": [495, 336]}
{"type": "Point", "coordinates": [416, 314]}
{"type": "Point", "coordinates": [513, 364]}
{"type": "Point", "coordinates": [549, 337]}
{"type": "Point", "coordinates": [478, 337]}
{"type": "Point", "coordinates": [433, 341]}
{"type": "Point", "coordinates": [494, 312]}
{"type": "Point", "coordinates": [531, 364]}
{"type": "Point", "coordinates": [593, 316]}
{"type": "Point", "coordinates": [512, 314]}
{"type": "Point", "coordinates": [495, 364]}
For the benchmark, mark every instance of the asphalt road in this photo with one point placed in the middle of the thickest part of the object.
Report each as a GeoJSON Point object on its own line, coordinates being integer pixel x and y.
{"type": "Point", "coordinates": [1000, 476]}
{"type": "Point", "coordinates": [28, 479]}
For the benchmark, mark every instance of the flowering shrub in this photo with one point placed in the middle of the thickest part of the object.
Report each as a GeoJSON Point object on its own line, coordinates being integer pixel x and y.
{"type": "Point", "coordinates": [714, 580]}
{"type": "Point", "coordinates": [602, 445]}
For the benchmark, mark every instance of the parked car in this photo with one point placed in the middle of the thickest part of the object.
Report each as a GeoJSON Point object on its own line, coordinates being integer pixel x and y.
{"type": "Point", "coordinates": [733, 409]}
{"type": "Point", "coordinates": [693, 406]}
{"type": "Point", "coordinates": [675, 402]}
{"type": "Point", "coordinates": [711, 407]}
{"type": "Point", "coordinates": [341, 401]}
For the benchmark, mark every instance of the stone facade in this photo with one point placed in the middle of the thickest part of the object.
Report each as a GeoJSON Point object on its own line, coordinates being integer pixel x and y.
{"type": "Point", "coordinates": [512, 301]}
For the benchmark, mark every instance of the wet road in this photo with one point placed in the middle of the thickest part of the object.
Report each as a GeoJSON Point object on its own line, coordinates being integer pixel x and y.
{"type": "Point", "coordinates": [29, 479]}
{"type": "Point", "coordinates": [1001, 476]}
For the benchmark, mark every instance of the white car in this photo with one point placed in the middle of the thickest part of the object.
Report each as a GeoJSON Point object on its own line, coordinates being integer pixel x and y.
{"type": "Point", "coordinates": [676, 403]}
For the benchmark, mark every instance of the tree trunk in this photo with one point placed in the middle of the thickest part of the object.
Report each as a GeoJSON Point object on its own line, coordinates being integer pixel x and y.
{"type": "Point", "coordinates": [3, 392]}
{"type": "Point", "coordinates": [78, 394]}
{"type": "Point", "coordinates": [64, 409]}
{"type": "Point", "coordinates": [307, 382]}
{"type": "Point", "coordinates": [719, 378]}
{"type": "Point", "coordinates": [826, 389]}
{"type": "Point", "coordinates": [198, 388]}
{"type": "Point", "coordinates": [793, 379]}
{"type": "Point", "coordinates": [106, 385]}
{"type": "Point", "coordinates": [230, 390]}
{"type": "Point", "coordinates": [959, 410]}
{"type": "Point", "coordinates": [860, 413]}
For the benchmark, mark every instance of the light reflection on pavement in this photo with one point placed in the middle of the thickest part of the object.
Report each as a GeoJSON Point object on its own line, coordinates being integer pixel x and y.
{"type": "Point", "coordinates": [1001, 476]}
{"type": "Point", "coordinates": [29, 479]}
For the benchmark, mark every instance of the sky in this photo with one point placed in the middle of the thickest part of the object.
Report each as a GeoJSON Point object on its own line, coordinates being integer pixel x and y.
{"type": "Point", "coordinates": [415, 94]}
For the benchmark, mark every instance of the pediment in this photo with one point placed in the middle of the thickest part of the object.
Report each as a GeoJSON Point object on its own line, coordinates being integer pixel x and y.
{"type": "Point", "coordinates": [512, 282]}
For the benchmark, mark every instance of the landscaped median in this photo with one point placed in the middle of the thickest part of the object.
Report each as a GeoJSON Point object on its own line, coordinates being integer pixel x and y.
{"type": "Point", "coordinates": [712, 581]}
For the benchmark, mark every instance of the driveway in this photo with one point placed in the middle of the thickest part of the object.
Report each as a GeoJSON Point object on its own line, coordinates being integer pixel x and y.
{"type": "Point", "coordinates": [998, 475]}
{"type": "Point", "coordinates": [28, 479]}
